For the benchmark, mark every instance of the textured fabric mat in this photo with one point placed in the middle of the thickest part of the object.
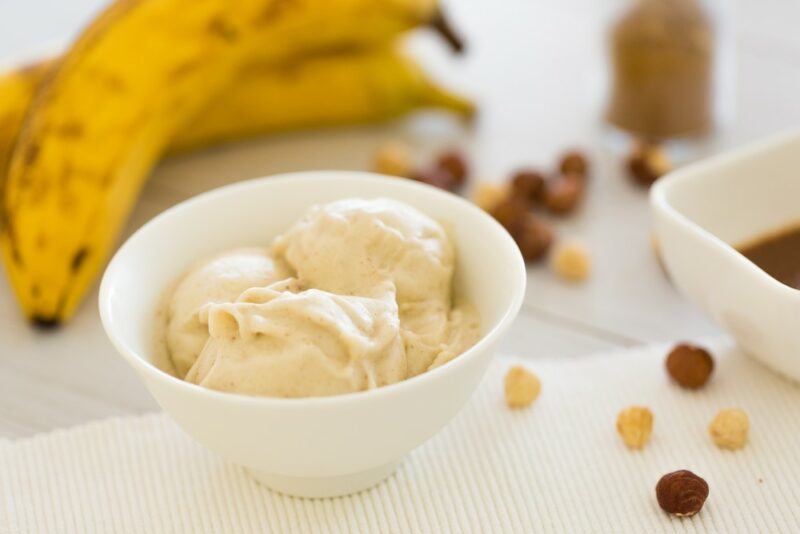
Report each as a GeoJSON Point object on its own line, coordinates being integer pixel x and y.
{"type": "Point", "coordinates": [558, 466]}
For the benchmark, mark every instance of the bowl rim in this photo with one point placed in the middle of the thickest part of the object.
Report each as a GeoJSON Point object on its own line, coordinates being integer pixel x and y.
{"type": "Point", "coordinates": [659, 198]}
{"type": "Point", "coordinates": [488, 338]}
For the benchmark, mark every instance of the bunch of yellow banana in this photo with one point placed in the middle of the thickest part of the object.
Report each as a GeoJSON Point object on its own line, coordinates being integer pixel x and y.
{"type": "Point", "coordinates": [80, 134]}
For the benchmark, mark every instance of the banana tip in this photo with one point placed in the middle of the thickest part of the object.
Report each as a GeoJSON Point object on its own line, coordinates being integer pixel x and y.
{"type": "Point", "coordinates": [45, 323]}
{"type": "Point", "coordinates": [441, 24]}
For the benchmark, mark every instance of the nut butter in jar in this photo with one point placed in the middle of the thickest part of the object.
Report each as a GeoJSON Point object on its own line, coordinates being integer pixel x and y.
{"type": "Point", "coordinates": [665, 74]}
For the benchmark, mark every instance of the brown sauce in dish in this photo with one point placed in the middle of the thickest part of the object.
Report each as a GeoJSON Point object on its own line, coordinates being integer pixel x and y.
{"type": "Point", "coordinates": [778, 254]}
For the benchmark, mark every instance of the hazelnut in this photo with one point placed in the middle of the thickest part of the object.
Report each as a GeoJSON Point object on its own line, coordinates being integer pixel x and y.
{"type": "Point", "coordinates": [574, 162]}
{"type": "Point", "coordinates": [454, 163]}
{"type": "Point", "coordinates": [393, 159]}
{"type": "Point", "coordinates": [681, 493]}
{"type": "Point", "coordinates": [489, 195]}
{"type": "Point", "coordinates": [564, 193]}
{"type": "Point", "coordinates": [511, 212]}
{"type": "Point", "coordinates": [436, 177]}
{"type": "Point", "coordinates": [647, 162]}
{"type": "Point", "coordinates": [534, 237]}
{"type": "Point", "coordinates": [522, 387]}
{"type": "Point", "coordinates": [635, 424]}
{"type": "Point", "coordinates": [729, 429]}
{"type": "Point", "coordinates": [529, 185]}
{"type": "Point", "coordinates": [689, 366]}
{"type": "Point", "coordinates": [570, 261]}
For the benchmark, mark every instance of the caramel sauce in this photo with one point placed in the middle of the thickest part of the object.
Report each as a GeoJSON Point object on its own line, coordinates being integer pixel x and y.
{"type": "Point", "coordinates": [778, 254]}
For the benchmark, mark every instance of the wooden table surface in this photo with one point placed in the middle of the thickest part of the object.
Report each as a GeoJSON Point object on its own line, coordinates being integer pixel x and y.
{"type": "Point", "coordinates": [536, 68]}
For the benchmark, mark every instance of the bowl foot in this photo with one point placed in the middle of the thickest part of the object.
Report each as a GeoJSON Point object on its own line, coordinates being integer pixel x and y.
{"type": "Point", "coordinates": [325, 486]}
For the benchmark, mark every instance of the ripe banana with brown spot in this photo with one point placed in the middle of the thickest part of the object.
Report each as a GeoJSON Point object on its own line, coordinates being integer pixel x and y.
{"type": "Point", "coordinates": [321, 90]}
{"type": "Point", "coordinates": [109, 109]}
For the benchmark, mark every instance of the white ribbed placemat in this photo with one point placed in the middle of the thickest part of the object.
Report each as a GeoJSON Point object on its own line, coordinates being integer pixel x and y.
{"type": "Point", "coordinates": [556, 467]}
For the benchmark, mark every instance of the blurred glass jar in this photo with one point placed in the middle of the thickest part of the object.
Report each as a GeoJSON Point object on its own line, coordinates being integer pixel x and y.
{"type": "Point", "coordinates": [671, 68]}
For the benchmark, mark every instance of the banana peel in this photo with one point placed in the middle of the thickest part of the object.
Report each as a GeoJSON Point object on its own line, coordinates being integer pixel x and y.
{"type": "Point", "coordinates": [97, 125]}
{"type": "Point", "coordinates": [103, 116]}
{"type": "Point", "coordinates": [322, 90]}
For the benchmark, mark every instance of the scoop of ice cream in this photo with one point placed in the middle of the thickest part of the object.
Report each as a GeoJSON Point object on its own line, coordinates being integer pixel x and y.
{"type": "Point", "coordinates": [221, 279]}
{"type": "Point", "coordinates": [287, 341]}
{"type": "Point", "coordinates": [351, 245]}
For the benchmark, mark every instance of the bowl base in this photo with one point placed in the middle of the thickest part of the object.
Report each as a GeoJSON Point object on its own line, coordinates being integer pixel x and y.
{"type": "Point", "coordinates": [316, 488]}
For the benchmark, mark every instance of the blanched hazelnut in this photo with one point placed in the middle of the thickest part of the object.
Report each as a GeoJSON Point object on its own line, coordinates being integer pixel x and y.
{"type": "Point", "coordinates": [635, 424]}
{"type": "Point", "coordinates": [570, 260]}
{"type": "Point", "coordinates": [394, 159]}
{"type": "Point", "coordinates": [488, 195]}
{"type": "Point", "coordinates": [522, 387]}
{"type": "Point", "coordinates": [729, 429]}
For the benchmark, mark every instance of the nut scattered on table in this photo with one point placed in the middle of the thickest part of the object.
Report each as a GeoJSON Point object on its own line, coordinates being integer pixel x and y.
{"type": "Point", "coordinates": [522, 387]}
{"type": "Point", "coordinates": [517, 203]}
{"type": "Point", "coordinates": [394, 159]}
{"type": "Point", "coordinates": [570, 260]}
{"type": "Point", "coordinates": [533, 236]}
{"type": "Point", "coordinates": [488, 195]}
{"type": "Point", "coordinates": [729, 429]}
{"type": "Point", "coordinates": [635, 424]}
{"type": "Point", "coordinates": [647, 162]}
{"type": "Point", "coordinates": [437, 177]}
{"type": "Point", "coordinates": [529, 185]}
{"type": "Point", "coordinates": [511, 213]}
{"type": "Point", "coordinates": [574, 162]}
{"type": "Point", "coordinates": [563, 193]}
{"type": "Point", "coordinates": [681, 493]}
{"type": "Point", "coordinates": [689, 365]}
{"type": "Point", "coordinates": [454, 163]}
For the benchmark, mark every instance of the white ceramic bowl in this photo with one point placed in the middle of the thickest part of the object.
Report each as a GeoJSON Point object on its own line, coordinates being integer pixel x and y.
{"type": "Point", "coordinates": [322, 446]}
{"type": "Point", "coordinates": [703, 211]}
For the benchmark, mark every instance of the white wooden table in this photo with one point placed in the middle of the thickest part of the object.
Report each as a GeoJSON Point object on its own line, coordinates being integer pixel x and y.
{"type": "Point", "coordinates": [533, 66]}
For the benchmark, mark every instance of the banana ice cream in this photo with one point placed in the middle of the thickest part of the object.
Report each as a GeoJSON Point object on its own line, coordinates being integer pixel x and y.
{"type": "Point", "coordinates": [217, 280]}
{"type": "Point", "coordinates": [356, 295]}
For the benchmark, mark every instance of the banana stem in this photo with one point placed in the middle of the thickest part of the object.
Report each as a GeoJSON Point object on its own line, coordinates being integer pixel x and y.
{"type": "Point", "coordinates": [442, 25]}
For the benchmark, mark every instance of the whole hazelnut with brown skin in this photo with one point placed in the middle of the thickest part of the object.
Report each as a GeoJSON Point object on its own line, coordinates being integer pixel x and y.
{"type": "Point", "coordinates": [574, 162]}
{"type": "Point", "coordinates": [690, 366]}
{"type": "Point", "coordinates": [455, 163]}
{"type": "Point", "coordinates": [511, 213]}
{"type": "Point", "coordinates": [436, 177]}
{"type": "Point", "coordinates": [534, 237]}
{"type": "Point", "coordinates": [529, 185]}
{"type": "Point", "coordinates": [647, 163]}
{"type": "Point", "coordinates": [564, 193]}
{"type": "Point", "coordinates": [681, 493]}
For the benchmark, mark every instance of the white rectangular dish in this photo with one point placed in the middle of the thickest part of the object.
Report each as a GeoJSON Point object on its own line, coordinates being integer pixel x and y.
{"type": "Point", "coordinates": [703, 211]}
